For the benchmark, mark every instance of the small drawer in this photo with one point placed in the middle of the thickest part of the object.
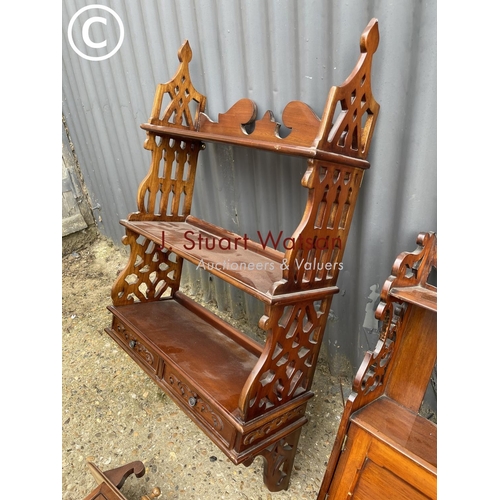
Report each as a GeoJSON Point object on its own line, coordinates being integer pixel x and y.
{"type": "Point", "coordinates": [197, 406]}
{"type": "Point", "coordinates": [136, 347]}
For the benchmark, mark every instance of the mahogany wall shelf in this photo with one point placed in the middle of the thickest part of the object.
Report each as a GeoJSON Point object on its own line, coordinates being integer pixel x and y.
{"type": "Point", "coordinates": [384, 448]}
{"type": "Point", "coordinates": [250, 399]}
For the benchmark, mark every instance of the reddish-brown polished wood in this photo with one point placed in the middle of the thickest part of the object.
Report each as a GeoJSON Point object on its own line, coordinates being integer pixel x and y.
{"type": "Point", "coordinates": [384, 448]}
{"type": "Point", "coordinates": [110, 481]}
{"type": "Point", "coordinates": [248, 398]}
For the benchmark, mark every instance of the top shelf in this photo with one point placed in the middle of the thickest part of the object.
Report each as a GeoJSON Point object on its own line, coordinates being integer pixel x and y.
{"type": "Point", "coordinates": [276, 145]}
{"type": "Point", "coordinates": [342, 134]}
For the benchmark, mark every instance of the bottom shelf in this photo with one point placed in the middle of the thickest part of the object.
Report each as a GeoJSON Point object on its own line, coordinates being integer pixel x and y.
{"type": "Point", "coordinates": [203, 363]}
{"type": "Point", "coordinates": [179, 337]}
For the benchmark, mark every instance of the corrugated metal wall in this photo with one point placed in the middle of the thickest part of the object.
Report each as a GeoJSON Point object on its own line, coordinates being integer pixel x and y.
{"type": "Point", "coordinates": [272, 51]}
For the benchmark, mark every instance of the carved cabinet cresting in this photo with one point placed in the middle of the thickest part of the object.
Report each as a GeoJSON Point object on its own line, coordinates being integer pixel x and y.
{"type": "Point", "coordinates": [250, 399]}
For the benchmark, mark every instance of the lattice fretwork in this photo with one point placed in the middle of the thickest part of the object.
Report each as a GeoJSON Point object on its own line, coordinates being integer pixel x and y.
{"type": "Point", "coordinates": [372, 373]}
{"type": "Point", "coordinates": [316, 257]}
{"type": "Point", "coordinates": [286, 368]}
{"type": "Point", "coordinates": [349, 130]}
{"type": "Point", "coordinates": [151, 273]}
{"type": "Point", "coordinates": [181, 91]}
{"type": "Point", "coordinates": [409, 269]}
{"type": "Point", "coordinates": [167, 191]}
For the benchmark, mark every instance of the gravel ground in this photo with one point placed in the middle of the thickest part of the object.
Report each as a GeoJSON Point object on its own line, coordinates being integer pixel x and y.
{"type": "Point", "coordinates": [112, 413]}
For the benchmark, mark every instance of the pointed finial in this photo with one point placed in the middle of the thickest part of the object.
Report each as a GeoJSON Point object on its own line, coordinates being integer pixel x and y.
{"type": "Point", "coordinates": [370, 37]}
{"type": "Point", "coordinates": [185, 53]}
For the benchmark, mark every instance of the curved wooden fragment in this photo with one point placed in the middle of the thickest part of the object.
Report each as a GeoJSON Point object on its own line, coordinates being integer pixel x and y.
{"type": "Point", "coordinates": [110, 482]}
{"type": "Point", "coordinates": [119, 475]}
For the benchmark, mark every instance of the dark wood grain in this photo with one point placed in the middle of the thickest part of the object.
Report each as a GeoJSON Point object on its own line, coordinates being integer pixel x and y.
{"type": "Point", "coordinates": [415, 359]}
{"type": "Point", "coordinates": [378, 483]}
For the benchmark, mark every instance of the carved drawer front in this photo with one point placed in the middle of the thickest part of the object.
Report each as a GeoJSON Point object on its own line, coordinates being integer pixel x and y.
{"type": "Point", "coordinates": [136, 347]}
{"type": "Point", "coordinates": [196, 406]}
{"type": "Point", "coordinates": [271, 427]}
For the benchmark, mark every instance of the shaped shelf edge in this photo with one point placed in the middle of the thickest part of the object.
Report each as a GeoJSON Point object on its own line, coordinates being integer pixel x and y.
{"type": "Point", "coordinates": [249, 267]}
{"type": "Point", "coordinates": [247, 141]}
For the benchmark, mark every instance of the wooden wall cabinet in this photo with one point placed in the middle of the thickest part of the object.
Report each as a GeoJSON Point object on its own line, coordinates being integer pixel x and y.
{"type": "Point", "coordinates": [248, 398]}
{"type": "Point", "coordinates": [384, 449]}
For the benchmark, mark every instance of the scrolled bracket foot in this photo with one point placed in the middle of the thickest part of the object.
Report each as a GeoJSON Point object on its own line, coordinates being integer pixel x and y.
{"type": "Point", "coordinates": [278, 462]}
{"type": "Point", "coordinates": [119, 475]}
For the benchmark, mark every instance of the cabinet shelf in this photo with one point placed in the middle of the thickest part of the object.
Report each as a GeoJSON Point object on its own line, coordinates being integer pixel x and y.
{"type": "Point", "coordinates": [401, 429]}
{"type": "Point", "coordinates": [417, 295]}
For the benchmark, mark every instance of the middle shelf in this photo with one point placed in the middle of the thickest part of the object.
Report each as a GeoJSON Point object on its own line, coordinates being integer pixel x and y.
{"type": "Point", "coordinates": [250, 266]}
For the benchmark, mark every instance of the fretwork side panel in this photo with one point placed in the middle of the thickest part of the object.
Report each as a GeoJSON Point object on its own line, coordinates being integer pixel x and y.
{"type": "Point", "coordinates": [166, 192]}
{"type": "Point", "coordinates": [150, 274]}
{"type": "Point", "coordinates": [286, 368]}
{"type": "Point", "coordinates": [315, 259]}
